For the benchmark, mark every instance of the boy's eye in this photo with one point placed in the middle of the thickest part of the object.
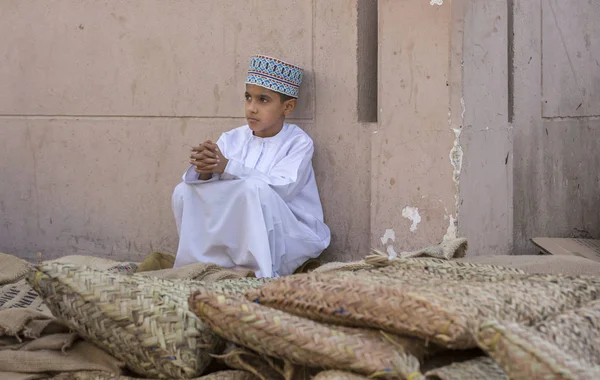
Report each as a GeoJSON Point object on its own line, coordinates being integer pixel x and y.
{"type": "Point", "coordinates": [248, 97]}
{"type": "Point", "coordinates": [264, 100]}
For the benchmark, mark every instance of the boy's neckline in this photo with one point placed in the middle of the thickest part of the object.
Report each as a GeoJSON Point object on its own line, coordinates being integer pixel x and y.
{"type": "Point", "coordinates": [284, 127]}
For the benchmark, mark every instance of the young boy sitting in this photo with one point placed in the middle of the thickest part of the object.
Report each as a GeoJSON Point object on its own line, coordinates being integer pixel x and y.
{"type": "Point", "coordinates": [251, 200]}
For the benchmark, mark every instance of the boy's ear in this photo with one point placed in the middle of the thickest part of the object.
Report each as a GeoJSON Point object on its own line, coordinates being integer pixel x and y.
{"type": "Point", "coordinates": [289, 106]}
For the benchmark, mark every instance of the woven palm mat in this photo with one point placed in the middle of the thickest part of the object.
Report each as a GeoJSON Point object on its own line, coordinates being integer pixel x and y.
{"type": "Point", "coordinates": [143, 320]}
{"type": "Point", "coordinates": [576, 331]}
{"type": "Point", "coordinates": [447, 313]}
{"type": "Point", "coordinates": [423, 270]}
{"type": "Point", "coordinates": [338, 375]}
{"type": "Point", "coordinates": [263, 367]}
{"type": "Point", "coordinates": [97, 263]}
{"type": "Point", "coordinates": [241, 358]}
{"type": "Point", "coordinates": [222, 375]}
{"type": "Point", "coordinates": [198, 271]}
{"type": "Point", "coordinates": [483, 368]}
{"type": "Point", "coordinates": [21, 295]}
{"type": "Point", "coordinates": [302, 341]}
{"type": "Point", "coordinates": [446, 250]}
{"type": "Point", "coordinates": [525, 354]}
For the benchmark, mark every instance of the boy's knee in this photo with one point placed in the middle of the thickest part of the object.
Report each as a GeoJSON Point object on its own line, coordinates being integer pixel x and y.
{"type": "Point", "coordinates": [180, 191]}
{"type": "Point", "coordinates": [255, 184]}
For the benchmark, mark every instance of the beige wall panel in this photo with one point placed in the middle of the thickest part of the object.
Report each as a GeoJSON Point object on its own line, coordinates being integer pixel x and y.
{"type": "Point", "coordinates": [570, 58]}
{"type": "Point", "coordinates": [342, 156]}
{"type": "Point", "coordinates": [143, 57]}
{"type": "Point", "coordinates": [411, 147]}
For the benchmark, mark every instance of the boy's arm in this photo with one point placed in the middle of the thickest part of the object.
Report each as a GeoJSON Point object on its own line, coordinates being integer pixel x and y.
{"type": "Point", "coordinates": [287, 177]}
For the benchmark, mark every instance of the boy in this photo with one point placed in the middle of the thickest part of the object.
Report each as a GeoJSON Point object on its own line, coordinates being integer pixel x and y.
{"type": "Point", "coordinates": [251, 200]}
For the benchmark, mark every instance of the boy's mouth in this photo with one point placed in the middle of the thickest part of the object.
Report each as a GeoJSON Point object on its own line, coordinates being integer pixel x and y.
{"type": "Point", "coordinates": [252, 120]}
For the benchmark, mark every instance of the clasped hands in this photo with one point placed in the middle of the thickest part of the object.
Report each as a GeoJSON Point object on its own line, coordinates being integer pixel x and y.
{"type": "Point", "coordinates": [208, 159]}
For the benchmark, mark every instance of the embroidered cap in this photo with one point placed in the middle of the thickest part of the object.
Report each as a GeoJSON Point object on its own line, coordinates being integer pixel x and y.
{"type": "Point", "coordinates": [275, 75]}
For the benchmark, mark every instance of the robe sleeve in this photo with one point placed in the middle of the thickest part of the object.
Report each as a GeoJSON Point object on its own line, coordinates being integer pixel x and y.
{"type": "Point", "coordinates": [288, 176]}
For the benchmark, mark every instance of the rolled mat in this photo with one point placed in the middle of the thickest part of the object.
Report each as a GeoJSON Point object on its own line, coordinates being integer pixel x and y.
{"type": "Point", "coordinates": [241, 358]}
{"type": "Point", "coordinates": [576, 331]}
{"type": "Point", "coordinates": [447, 313]}
{"type": "Point", "coordinates": [302, 341]}
{"type": "Point", "coordinates": [145, 321]}
{"type": "Point", "coordinates": [483, 368]}
{"type": "Point", "coordinates": [222, 375]}
{"type": "Point", "coordinates": [525, 354]}
{"type": "Point", "coordinates": [338, 375]}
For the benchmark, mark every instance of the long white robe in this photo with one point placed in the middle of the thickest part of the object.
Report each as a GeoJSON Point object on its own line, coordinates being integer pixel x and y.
{"type": "Point", "coordinates": [263, 213]}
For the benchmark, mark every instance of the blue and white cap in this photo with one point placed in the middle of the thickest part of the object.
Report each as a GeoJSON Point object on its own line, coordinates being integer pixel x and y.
{"type": "Point", "coordinates": [274, 74]}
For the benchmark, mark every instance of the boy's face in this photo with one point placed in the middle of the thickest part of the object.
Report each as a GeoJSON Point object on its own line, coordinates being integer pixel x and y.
{"type": "Point", "coordinates": [265, 111]}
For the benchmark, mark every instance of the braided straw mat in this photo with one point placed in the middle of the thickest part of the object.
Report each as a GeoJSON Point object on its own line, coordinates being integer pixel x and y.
{"type": "Point", "coordinates": [338, 375]}
{"type": "Point", "coordinates": [423, 270]}
{"type": "Point", "coordinates": [576, 331]}
{"type": "Point", "coordinates": [524, 354]}
{"type": "Point", "coordinates": [263, 367]}
{"type": "Point", "coordinates": [482, 368]}
{"type": "Point", "coordinates": [145, 321]}
{"type": "Point", "coordinates": [222, 375]}
{"type": "Point", "coordinates": [302, 341]}
{"type": "Point", "coordinates": [241, 358]}
{"type": "Point", "coordinates": [447, 313]}
{"type": "Point", "coordinates": [446, 250]}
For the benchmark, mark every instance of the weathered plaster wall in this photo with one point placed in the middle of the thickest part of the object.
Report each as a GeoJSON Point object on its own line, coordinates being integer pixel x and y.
{"type": "Point", "coordinates": [486, 192]}
{"type": "Point", "coordinates": [557, 120]}
{"type": "Point", "coordinates": [413, 192]}
{"type": "Point", "coordinates": [99, 101]}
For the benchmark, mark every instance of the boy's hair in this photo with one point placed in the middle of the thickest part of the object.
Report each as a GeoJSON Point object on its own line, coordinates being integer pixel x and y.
{"type": "Point", "coordinates": [284, 98]}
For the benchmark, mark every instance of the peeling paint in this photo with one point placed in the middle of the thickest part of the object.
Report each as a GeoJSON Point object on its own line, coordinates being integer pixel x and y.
{"type": "Point", "coordinates": [389, 235]}
{"type": "Point", "coordinates": [412, 214]}
{"type": "Point", "coordinates": [451, 232]}
{"type": "Point", "coordinates": [436, 2]}
{"type": "Point", "coordinates": [456, 160]}
{"type": "Point", "coordinates": [391, 252]}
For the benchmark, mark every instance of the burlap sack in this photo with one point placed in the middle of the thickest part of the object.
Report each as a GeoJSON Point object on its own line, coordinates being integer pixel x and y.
{"type": "Point", "coordinates": [301, 341]}
{"type": "Point", "coordinates": [58, 342]}
{"type": "Point", "coordinates": [12, 269]}
{"type": "Point", "coordinates": [81, 356]}
{"type": "Point", "coordinates": [22, 376]}
{"type": "Point", "coordinates": [27, 323]}
{"type": "Point", "coordinates": [20, 295]}
{"type": "Point", "coordinates": [447, 249]}
{"type": "Point", "coordinates": [156, 261]}
{"type": "Point", "coordinates": [525, 354]}
{"type": "Point", "coordinates": [447, 313]}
